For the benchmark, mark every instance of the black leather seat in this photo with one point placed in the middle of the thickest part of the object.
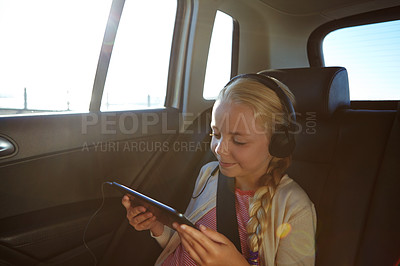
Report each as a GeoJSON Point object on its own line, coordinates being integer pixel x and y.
{"type": "Point", "coordinates": [380, 243]}
{"type": "Point", "coordinates": [343, 162]}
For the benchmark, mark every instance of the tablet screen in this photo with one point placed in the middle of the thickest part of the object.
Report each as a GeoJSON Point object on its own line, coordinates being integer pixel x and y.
{"type": "Point", "coordinates": [164, 213]}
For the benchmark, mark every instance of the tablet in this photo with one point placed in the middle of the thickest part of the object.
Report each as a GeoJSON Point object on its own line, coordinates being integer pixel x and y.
{"type": "Point", "coordinates": [164, 213]}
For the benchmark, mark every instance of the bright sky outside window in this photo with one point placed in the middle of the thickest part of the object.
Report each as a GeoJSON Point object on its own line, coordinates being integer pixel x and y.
{"type": "Point", "coordinates": [52, 49]}
{"type": "Point", "coordinates": [371, 54]}
{"type": "Point", "coordinates": [219, 60]}
{"type": "Point", "coordinates": [138, 71]}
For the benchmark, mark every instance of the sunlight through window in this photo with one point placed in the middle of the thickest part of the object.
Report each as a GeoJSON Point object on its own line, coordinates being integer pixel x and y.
{"type": "Point", "coordinates": [138, 72]}
{"type": "Point", "coordinates": [50, 53]}
{"type": "Point", "coordinates": [219, 61]}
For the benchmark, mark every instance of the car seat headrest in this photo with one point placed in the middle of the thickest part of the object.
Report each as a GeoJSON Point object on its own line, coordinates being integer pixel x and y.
{"type": "Point", "coordinates": [317, 89]}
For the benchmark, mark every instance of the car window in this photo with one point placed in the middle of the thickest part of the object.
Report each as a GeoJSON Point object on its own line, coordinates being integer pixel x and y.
{"type": "Point", "coordinates": [138, 71]}
{"type": "Point", "coordinates": [371, 55]}
{"type": "Point", "coordinates": [53, 51]}
{"type": "Point", "coordinates": [219, 62]}
{"type": "Point", "coordinates": [50, 51]}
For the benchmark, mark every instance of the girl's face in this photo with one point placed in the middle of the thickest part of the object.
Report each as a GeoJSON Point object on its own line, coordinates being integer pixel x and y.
{"type": "Point", "coordinates": [240, 144]}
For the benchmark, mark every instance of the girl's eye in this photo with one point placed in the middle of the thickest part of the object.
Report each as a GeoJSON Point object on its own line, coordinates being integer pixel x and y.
{"type": "Point", "coordinates": [238, 142]}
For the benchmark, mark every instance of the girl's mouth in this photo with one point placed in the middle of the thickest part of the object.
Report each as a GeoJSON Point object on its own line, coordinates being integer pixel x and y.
{"type": "Point", "coordinates": [226, 165]}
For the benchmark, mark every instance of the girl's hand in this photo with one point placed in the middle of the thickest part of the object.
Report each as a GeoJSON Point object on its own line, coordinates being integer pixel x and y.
{"type": "Point", "coordinates": [140, 219]}
{"type": "Point", "coordinates": [208, 247]}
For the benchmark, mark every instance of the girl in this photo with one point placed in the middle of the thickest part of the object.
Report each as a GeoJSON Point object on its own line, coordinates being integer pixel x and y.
{"type": "Point", "coordinates": [276, 220]}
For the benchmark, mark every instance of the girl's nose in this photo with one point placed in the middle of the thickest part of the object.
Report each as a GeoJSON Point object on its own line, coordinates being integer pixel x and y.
{"type": "Point", "coordinates": [222, 147]}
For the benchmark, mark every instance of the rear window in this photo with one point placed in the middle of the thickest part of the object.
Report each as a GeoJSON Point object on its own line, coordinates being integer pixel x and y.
{"type": "Point", "coordinates": [371, 55]}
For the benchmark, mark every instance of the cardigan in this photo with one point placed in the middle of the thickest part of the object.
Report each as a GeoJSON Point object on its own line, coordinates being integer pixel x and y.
{"type": "Point", "coordinates": [289, 238]}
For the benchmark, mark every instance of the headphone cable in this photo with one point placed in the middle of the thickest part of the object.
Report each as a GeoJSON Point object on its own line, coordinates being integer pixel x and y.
{"type": "Point", "coordinates": [90, 220]}
{"type": "Point", "coordinates": [212, 173]}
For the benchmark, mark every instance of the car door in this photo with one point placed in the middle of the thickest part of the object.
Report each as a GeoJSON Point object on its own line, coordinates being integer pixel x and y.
{"type": "Point", "coordinates": [54, 160]}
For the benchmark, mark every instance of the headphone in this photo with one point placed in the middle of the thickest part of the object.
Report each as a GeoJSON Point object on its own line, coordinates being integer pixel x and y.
{"type": "Point", "coordinates": [282, 143]}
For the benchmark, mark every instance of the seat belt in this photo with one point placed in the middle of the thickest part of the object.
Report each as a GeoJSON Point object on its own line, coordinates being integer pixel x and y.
{"type": "Point", "coordinates": [226, 210]}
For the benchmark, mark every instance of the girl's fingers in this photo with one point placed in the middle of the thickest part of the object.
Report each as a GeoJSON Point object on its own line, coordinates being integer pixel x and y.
{"type": "Point", "coordinates": [189, 248]}
{"type": "Point", "coordinates": [138, 210]}
{"type": "Point", "coordinates": [214, 235]}
{"type": "Point", "coordinates": [209, 247]}
{"type": "Point", "coordinates": [199, 243]}
{"type": "Point", "coordinates": [199, 237]}
{"type": "Point", "coordinates": [145, 224]}
{"type": "Point", "coordinates": [140, 217]}
{"type": "Point", "coordinates": [126, 202]}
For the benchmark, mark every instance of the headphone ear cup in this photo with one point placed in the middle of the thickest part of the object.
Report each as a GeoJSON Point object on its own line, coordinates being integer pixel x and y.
{"type": "Point", "coordinates": [281, 145]}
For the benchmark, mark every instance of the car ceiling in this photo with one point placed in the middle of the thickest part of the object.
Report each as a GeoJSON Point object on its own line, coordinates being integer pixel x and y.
{"type": "Point", "coordinates": [333, 9]}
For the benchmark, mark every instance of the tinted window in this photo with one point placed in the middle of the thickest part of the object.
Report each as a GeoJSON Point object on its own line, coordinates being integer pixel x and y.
{"type": "Point", "coordinates": [371, 54]}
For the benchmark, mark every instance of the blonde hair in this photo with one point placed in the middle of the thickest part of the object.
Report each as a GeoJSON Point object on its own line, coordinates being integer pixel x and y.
{"type": "Point", "coordinates": [269, 111]}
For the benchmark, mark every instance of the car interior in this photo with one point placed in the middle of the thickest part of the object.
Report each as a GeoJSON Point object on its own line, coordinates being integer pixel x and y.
{"type": "Point", "coordinates": [56, 210]}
